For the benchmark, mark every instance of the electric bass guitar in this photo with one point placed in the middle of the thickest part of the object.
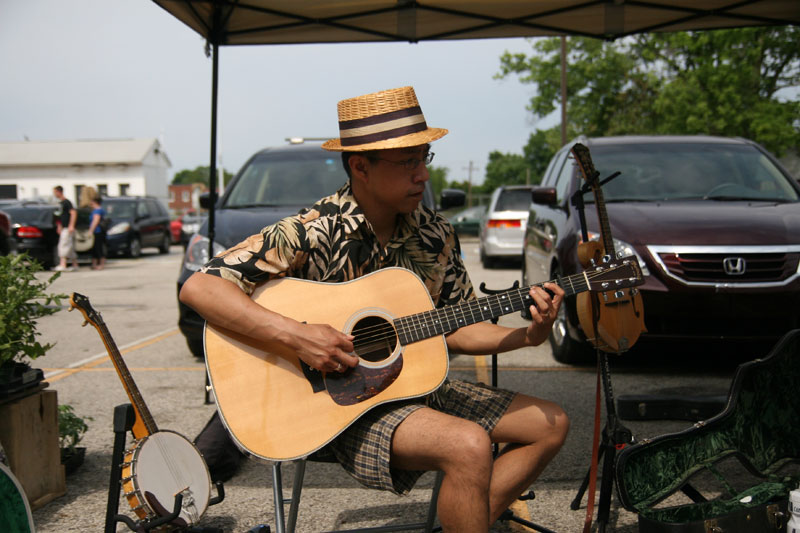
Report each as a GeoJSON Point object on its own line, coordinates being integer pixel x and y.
{"type": "Point", "coordinates": [278, 408]}
{"type": "Point", "coordinates": [160, 464]}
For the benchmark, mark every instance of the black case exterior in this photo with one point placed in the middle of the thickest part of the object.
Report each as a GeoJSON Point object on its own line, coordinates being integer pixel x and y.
{"type": "Point", "coordinates": [759, 427]}
{"type": "Point", "coordinates": [762, 519]}
{"type": "Point", "coordinates": [680, 403]}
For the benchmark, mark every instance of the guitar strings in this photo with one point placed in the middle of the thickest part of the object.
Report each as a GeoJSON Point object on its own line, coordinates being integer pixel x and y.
{"type": "Point", "coordinates": [380, 334]}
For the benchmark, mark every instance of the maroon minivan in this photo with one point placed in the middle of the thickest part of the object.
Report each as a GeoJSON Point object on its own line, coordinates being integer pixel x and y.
{"type": "Point", "coordinates": [715, 223]}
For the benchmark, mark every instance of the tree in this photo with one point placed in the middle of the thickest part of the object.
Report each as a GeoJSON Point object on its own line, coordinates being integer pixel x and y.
{"type": "Point", "coordinates": [198, 175]}
{"type": "Point", "coordinates": [506, 169]}
{"type": "Point", "coordinates": [721, 82]}
{"type": "Point", "coordinates": [438, 179]}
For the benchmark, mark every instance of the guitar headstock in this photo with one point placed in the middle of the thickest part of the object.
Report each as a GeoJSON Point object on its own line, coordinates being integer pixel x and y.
{"type": "Point", "coordinates": [615, 274]}
{"type": "Point", "coordinates": [584, 160]}
{"type": "Point", "coordinates": [81, 303]}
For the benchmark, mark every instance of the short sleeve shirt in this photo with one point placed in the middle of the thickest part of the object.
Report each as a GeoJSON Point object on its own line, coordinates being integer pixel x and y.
{"type": "Point", "coordinates": [332, 241]}
{"type": "Point", "coordinates": [66, 207]}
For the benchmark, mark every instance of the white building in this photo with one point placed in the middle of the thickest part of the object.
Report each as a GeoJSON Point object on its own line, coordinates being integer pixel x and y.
{"type": "Point", "coordinates": [30, 170]}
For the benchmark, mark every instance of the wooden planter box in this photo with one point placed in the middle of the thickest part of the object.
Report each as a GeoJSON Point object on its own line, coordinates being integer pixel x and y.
{"type": "Point", "coordinates": [29, 433]}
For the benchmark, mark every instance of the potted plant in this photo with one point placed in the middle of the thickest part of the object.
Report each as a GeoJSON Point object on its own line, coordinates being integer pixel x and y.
{"type": "Point", "coordinates": [71, 429]}
{"type": "Point", "coordinates": [24, 301]}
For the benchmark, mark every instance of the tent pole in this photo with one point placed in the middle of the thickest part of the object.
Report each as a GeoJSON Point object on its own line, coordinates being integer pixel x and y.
{"type": "Point", "coordinates": [212, 177]}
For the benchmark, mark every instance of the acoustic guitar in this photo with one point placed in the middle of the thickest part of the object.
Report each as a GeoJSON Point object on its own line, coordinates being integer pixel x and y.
{"type": "Point", "coordinates": [278, 408]}
{"type": "Point", "coordinates": [161, 463]}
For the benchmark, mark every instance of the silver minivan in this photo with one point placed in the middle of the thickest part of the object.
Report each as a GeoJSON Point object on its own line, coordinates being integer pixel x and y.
{"type": "Point", "coordinates": [502, 228]}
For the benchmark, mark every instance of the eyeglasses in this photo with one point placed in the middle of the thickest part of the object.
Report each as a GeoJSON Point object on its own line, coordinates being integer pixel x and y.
{"type": "Point", "coordinates": [410, 164]}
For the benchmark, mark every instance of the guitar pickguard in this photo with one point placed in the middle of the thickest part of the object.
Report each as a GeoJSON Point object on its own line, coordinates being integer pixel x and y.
{"type": "Point", "coordinates": [361, 383]}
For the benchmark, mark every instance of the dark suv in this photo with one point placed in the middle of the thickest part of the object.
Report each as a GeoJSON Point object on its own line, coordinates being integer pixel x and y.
{"type": "Point", "coordinates": [715, 223]}
{"type": "Point", "coordinates": [136, 222]}
{"type": "Point", "coordinates": [272, 184]}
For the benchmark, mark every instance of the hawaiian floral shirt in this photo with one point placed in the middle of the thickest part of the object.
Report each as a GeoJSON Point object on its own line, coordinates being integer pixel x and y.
{"type": "Point", "coordinates": [332, 241]}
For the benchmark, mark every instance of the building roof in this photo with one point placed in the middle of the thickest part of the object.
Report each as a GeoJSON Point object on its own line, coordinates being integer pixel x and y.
{"type": "Point", "coordinates": [88, 152]}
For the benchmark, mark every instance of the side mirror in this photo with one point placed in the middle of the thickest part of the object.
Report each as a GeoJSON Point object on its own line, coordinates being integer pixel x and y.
{"type": "Point", "coordinates": [205, 200]}
{"type": "Point", "coordinates": [452, 198]}
{"type": "Point", "coordinates": [544, 195]}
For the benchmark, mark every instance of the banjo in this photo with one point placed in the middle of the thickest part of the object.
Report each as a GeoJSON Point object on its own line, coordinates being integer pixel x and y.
{"type": "Point", "coordinates": [160, 464]}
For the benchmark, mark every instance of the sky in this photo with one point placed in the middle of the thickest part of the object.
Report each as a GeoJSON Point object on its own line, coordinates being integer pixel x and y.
{"type": "Point", "coordinates": [113, 69]}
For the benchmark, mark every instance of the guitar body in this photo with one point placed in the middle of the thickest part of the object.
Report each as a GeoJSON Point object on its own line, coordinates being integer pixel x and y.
{"type": "Point", "coordinates": [277, 408]}
{"type": "Point", "coordinates": [618, 328]}
{"type": "Point", "coordinates": [160, 466]}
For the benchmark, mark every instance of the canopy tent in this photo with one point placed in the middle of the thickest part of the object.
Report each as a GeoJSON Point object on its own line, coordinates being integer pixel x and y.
{"type": "Point", "coordinates": [251, 22]}
{"type": "Point", "coordinates": [236, 22]}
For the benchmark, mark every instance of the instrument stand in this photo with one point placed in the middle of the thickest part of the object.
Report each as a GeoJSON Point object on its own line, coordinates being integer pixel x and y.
{"type": "Point", "coordinates": [508, 515]}
{"type": "Point", "coordinates": [615, 437]}
{"type": "Point", "coordinates": [124, 418]}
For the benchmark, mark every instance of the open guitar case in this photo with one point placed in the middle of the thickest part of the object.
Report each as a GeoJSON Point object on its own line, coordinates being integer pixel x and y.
{"type": "Point", "coordinates": [742, 463]}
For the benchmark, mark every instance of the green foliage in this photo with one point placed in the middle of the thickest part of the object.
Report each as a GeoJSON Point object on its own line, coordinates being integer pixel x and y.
{"type": "Point", "coordinates": [25, 300]}
{"type": "Point", "coordinates": [438, 179]}
{"type": "Point", "coordinates": [506, 169]}
{"type": "Point", "coordinates": [198, 175]}
{"type": "Point", "coordinates": [71, 427]}
{"type": "Point", "coordinates": [721, 82]}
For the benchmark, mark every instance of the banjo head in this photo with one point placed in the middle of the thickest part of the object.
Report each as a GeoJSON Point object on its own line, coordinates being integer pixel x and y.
{"type": "Point", "coordinates": [164, 465]}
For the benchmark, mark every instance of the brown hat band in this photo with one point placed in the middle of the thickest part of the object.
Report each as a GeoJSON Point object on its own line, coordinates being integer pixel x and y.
{"type": "Point", "coordinates": [382, 127]}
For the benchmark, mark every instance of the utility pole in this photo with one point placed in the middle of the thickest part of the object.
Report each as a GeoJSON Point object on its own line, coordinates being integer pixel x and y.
{"type": "Point", "coordinates": [563, 90]}
{"type": "Point", "coordinates": [469, 184]}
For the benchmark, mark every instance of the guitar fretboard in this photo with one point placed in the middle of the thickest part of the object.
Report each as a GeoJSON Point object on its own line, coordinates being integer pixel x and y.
{"type": "Point", "coordinates": [414, 328]}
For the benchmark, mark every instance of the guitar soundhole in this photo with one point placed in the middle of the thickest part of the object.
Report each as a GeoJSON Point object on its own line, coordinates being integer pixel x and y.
{"type": "Point", "coordinates": [375, 339]}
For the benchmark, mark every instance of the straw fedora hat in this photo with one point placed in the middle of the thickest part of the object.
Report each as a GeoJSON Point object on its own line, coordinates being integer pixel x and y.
{"type": "Point", "coordinates": [380, 121]}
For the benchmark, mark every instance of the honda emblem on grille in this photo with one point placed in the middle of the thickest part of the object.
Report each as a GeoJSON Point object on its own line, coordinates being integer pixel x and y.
{"type": "Point", "coordinates": [734, 266]}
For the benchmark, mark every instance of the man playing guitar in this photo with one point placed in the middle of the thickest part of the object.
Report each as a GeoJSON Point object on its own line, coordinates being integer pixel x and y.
{"type": "Point", "coordinates": [375, 221]}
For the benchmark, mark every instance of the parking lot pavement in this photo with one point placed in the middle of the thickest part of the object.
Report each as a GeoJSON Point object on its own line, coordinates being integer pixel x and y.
{"type": "Point", "coordinates": [171, 383]}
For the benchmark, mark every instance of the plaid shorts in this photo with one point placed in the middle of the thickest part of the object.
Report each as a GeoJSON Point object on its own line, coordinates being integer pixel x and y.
{"type": "Point", "coordinates": [364, 448]}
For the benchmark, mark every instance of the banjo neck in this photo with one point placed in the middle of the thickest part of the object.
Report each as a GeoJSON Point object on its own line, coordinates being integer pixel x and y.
{"type": "Point", "coordinates": [144, 425]}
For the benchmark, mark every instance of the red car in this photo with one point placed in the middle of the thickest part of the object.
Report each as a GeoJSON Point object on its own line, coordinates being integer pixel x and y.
{"type": "Point", "coordinates": [175, 226]}
{"type": "Point", "coordinates": [715, 223]}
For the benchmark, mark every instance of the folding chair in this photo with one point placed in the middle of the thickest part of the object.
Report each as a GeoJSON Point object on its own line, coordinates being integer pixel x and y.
{"type": "Point", "coordinates": [286, 523]}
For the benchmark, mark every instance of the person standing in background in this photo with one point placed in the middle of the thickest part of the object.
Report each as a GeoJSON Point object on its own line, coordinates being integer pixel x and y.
{"type": "Point", "coordinates": [66, 231]}
{"type": "Point", "coordinates": [97, 230]}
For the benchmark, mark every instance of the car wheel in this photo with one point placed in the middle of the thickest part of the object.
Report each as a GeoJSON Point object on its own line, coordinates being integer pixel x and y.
{"type": "Point", "coordinates": [486, 261]}
{"type": "Point", "coordinates": [567, 350]}
{"type": "Point", "coordinates": [54, 259]}
{"type": "Point", "coordinates": [135, 247]}
{"type": "Point", "coordinates": [165, 244]}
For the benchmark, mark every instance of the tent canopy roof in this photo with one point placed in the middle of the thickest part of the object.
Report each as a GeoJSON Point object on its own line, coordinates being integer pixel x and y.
{"type": "Point", "coordinates": [243, 22]}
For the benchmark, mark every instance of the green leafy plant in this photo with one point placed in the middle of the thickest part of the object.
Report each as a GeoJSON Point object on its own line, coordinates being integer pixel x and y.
{"type": "Point", "coordinates": [24, 301]}
{"type": "Point", "coordinates": [71, 427]}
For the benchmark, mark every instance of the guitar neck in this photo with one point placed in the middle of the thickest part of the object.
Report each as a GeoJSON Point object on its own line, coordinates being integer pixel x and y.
{"type": "Point", "coordinates": [128, 384]}
{"type": "Point", "coordinates": [414, 328]}
{"type": "Point", "coordinates": [602, 216]}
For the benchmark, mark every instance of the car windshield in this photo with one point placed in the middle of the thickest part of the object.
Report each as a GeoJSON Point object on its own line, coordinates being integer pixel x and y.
{"type": "Point", "coordinates": [679, 171]}
{"type": "Point", "coordinates": [514, 200]}
{"type": "Point", "coordinates": [120, 209]}
{"type": "Point", "coordinates": [298, 178]}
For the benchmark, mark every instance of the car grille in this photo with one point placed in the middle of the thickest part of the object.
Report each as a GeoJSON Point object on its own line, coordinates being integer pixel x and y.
{"type": "Point", "coordinates": [741, 266]}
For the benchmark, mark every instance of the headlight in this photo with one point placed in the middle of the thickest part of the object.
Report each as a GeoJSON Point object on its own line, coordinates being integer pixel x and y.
{"type": "Point", "coordinates": [623, 248]}
{"type": "Point", "coordinates": [197, 252]}
{"type": "Point", "coordinates": [122, 227]}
